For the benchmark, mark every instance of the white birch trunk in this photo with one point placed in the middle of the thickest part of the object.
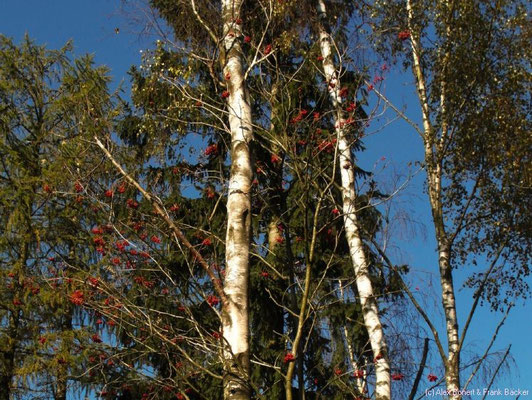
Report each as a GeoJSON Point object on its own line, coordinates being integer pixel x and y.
{"type": "Point", "coordinates": [365, 290]}
{"type": "Point", "coordinates": [360, 382]}
{"type": "Point", "coordinates": [235, 316]}
{"type": "Point", "coordinates": [434, 174]}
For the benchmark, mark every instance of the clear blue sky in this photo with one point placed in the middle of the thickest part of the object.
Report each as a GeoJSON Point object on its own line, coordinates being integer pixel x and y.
{"type": "Point", "coordinates": [91, 24]}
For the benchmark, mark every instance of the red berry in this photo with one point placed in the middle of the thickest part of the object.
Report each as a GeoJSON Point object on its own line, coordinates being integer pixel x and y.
{"type": "Point", "coordinates": [403, 35]}
{"type": "Point", "coordinates": [289, 357]}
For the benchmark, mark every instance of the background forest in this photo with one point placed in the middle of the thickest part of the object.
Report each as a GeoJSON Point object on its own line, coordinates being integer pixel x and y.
{"type": "Point", "coordinates": [227, 222]}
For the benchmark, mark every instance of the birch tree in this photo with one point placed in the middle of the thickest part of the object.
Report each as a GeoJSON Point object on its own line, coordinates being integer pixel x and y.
{"type": "Point", "coordinates": [235, 319]}
{"type": "Point", "coordinates": [469, 65]}
{"type": "Point", "coordinates": [286, 131]}
{"type": "Point", "coordinates": [346, 165]}
{"type": "Point", "coordinates": [213, 36]}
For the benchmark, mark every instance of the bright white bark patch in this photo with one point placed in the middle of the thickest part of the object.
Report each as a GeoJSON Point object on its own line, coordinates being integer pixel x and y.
{"type": "Point", "coordinates": [235, 316]}
{"type": "Point", "coordinates": [365, 290]}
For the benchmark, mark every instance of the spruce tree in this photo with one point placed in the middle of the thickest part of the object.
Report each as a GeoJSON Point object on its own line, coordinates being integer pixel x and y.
{"type": "Point", "coordinates": [46, 101]}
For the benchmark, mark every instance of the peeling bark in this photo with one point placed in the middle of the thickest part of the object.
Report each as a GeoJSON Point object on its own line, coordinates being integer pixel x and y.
{"type": "Point", "coordinates": [235, 315]}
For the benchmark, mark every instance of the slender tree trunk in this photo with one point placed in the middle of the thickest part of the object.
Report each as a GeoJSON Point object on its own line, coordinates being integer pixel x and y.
{"type": "Point", "coordinates": [433, 157]}
{"type": "Point", "coordinates": [350, 352]}
{"type": "Point", "coordinates": [275, 230]}
{"type": "Point", "coordinates": [7, 371]}
{"type": "Point", "coordinates": [275, 237]}
{"type": "Point", "coordinates": [303, 313]}
{"type": "Point", "coordinates": [299, 333]}
{"type": "Point", "coordinates": [235, 316]}
{"type": "Point", "coordinates": [61, 385]}
{"type": "Point", "coordinates": [370, 309]}
{"type": "Point", "coordinates": [359, 382]}
{"type": "Point", "coordinates": [452, 363]}
{"type": "Point", "coordinates": [452, 366]}
{"type": "Point", "coordinates": [6, 377]}
{"type": "Point", "coordinates": [8, 350]}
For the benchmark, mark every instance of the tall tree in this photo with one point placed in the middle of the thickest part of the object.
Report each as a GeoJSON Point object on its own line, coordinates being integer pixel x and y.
{"type": "Point", "coordinates": [235, 318]}
{"type": "Point", "coordinates": [351, 225]}
{"type": "Point", "coordinates": [288, 131]}
{"type": "Point", "coordinates": [470, 64]}
{"type": "Point", "coordinates": [42, 211]}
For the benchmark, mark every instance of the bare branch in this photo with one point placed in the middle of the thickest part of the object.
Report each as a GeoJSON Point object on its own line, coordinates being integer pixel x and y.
{"type": "Point", "coordinates": [420, 370]}
{"type": "Point", "coordinates": [175, 230]}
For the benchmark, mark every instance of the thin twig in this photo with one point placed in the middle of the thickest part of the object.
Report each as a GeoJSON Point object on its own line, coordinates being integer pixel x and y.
{"type": "Point", "coordinates": [487, 390]}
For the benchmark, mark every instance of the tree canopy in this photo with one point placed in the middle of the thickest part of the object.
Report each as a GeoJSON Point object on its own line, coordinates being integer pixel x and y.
{"type": "Point", "coordinates": [213, 235]}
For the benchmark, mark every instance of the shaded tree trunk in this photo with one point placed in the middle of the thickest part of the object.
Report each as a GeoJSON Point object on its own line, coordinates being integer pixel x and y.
{"type": "Point", "coordinates": [61, 385]}
{"type": "Point", "coordinates": [7, 372]}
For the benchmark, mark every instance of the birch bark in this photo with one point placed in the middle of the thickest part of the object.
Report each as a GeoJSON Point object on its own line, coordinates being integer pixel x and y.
{"type": "Point", "coordinates": [360, 264]}
{"type": "Point", "coordinates": [235, 316]}
{"type": "Point", "coordinates": [433, 161]}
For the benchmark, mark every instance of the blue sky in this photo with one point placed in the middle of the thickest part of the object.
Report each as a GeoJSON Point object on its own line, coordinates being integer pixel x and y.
{"type": "Point", "coordinates": [91, 24]}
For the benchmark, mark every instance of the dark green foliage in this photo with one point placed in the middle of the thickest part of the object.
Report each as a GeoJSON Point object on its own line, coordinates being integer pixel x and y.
{"type": "Point", "coordinates": [130, 308]}
{"type": "Point", "coordinates": [46, 103]}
